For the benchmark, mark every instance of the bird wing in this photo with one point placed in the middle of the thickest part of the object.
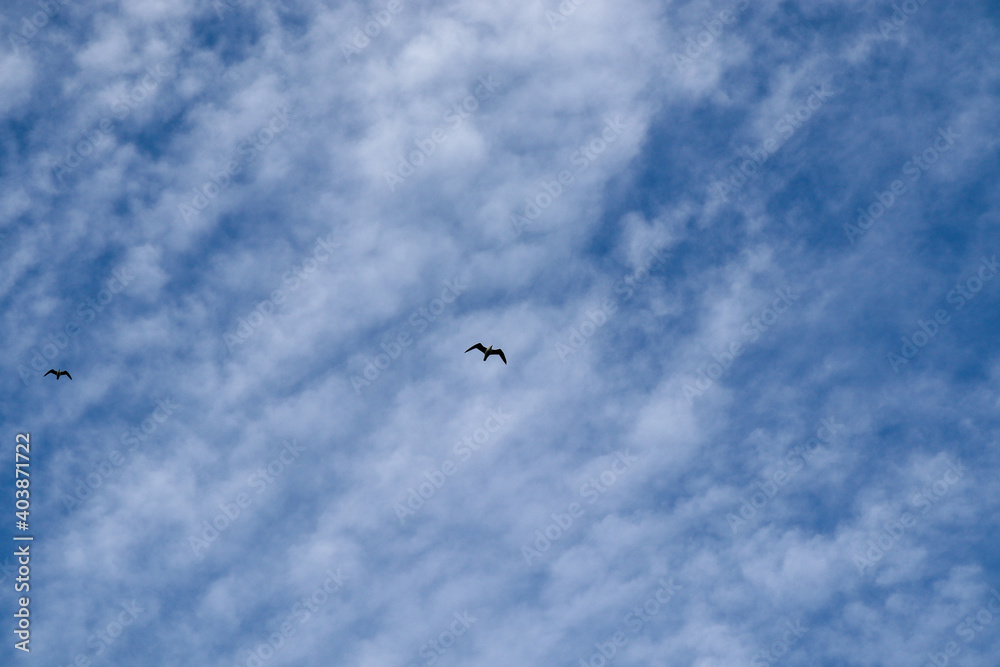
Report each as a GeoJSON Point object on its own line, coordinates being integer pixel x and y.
{"type": "Point", "coordinates": [498, 351]}
{"type": "Point", "coordinates": [66, 373]}
{"type": "Point", "coordinates": [51, 371]}
{"type": "Point", "coordinates": [477, 346]}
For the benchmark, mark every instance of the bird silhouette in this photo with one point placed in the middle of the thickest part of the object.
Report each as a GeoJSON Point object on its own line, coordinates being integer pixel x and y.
{"type": "Point", "coordinates": [58, 374]}
{"type": "Point", "coordinates": [488, 352]}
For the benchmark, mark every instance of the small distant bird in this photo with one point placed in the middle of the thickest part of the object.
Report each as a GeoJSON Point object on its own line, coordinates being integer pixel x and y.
{"type": "Point", "coordinates": [58, 374]}
{"type": "Point", "coordinates": [487, 353]}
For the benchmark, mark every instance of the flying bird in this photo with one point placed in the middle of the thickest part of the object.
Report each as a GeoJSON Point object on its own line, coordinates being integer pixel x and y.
{"type": "Point", "coordinates": [58, 374]}
{"type": "Point", "coordinates": [488, 352]}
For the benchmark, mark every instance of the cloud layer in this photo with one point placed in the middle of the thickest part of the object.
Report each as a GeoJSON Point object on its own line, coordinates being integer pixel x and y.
{"type": "Point", "coordinates": [740, 257]}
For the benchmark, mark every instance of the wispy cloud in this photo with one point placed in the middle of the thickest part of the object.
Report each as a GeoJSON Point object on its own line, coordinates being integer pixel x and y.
{"type": "Point", "coordinates": [261, 235]}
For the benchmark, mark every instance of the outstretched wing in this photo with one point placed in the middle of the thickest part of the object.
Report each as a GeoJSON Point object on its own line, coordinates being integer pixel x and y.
{"type": "Point", "coordinates": [52, 371]}
{"type": "Point", "coordinates": [500, 352]}
{"type": "Point", "coordinates": [477, 346]}
{"type": "Point", "coordinates": [66, 373]}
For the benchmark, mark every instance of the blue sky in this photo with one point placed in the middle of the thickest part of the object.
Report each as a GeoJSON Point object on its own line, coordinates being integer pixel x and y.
{"type": "Point", "coordinates": [741, 257]}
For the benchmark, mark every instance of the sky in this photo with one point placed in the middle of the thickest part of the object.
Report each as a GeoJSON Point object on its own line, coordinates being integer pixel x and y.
{"type": "Point", "coordinates": [741, 257]}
